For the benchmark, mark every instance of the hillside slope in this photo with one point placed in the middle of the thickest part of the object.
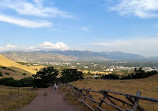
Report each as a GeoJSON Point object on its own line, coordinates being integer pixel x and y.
{"type": "Point", "coordinates": [37, 57]}
{"type": "Point", "coordinates": [13, 72]}
{"type": "Point", "coordinates": [147, 86]}
{"type": "Point", "coordinates": [8, 63]}
{"type": "Point", "coordinates": [70, 55]}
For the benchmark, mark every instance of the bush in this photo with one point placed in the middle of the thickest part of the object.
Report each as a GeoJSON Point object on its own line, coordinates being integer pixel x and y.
{"type": "Point", "coordinates": [26, 82]}
{"type": "Point", "coordinates": [6, 68]}
{"type": "Point", "coordinates": [7, 73]}
{"type": "Point", "coordinates": [24, 74]}
{"type": "Point", "coordinates": [110, 76]}
{"type": "Point", "coordinates": [3, 67]}
{"type": "Point", "coordinates": [1, 74]}
{"type": "Point", "coordinates": [7, 81]}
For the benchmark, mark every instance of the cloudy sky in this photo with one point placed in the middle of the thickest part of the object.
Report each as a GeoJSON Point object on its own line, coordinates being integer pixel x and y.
{"type": "Point", "coordinates": [94, 25]}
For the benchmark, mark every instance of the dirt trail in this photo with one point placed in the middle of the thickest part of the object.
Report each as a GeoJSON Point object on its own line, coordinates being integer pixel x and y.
{"type": "Point", "coordinates": [49, 100]}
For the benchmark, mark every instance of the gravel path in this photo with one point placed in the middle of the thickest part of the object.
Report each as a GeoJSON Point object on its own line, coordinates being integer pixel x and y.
{"type": "Point", "coordinates": [49, 100]}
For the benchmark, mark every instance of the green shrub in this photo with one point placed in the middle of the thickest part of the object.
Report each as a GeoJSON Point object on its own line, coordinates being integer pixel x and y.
{"type": "Point", "coordinates": [7, 81]}
{"type": "Point", "coordinates": [24, 74]}
{"type": "Point", "coordinates": [3, 67]}
{"type": "Point", "coordinates": [7, 73]}
{"type": "Point", "coordinates": [27, 82]}
{"type": "Point", "coordinates": [1, 74]}
{"type": "Point", "coordinates": [6, 68]}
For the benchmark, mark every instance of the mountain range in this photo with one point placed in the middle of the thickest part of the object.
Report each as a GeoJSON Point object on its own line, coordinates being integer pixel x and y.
{"type": "Point", "coordinates": [73, 55]}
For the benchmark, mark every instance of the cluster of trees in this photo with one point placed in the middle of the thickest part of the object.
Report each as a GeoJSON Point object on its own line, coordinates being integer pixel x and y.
{"type": "Point", "coordinates": [26, 82]}
{"type": "Point", "coordinates": [44, 78]}
{"type": "Point", "coordinates": [48, 76]}
{"type": "Point", "coordinates": [110, 76]}
{"type": "Point", "coordinates": [138, 74]}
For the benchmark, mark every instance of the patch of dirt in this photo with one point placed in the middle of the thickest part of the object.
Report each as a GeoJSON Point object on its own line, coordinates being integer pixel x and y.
{"type": "Point", "coordinates": [49, 100]}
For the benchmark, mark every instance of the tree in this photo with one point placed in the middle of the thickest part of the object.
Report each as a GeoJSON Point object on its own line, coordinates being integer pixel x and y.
{"type": "Point", "coordinates": [69, 75]}
{"type": "Point", "coordinates": [45, 77]}
{"type": "Point", "coordinates": [110, 76]}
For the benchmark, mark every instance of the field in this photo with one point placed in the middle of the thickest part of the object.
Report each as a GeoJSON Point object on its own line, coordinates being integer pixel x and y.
{"type": "Point", "coordinates": [14, 99]}
{"type": "Point", "coordinates": [147, 86]}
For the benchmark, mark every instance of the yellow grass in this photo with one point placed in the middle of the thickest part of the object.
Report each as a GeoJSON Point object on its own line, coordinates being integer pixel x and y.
{"type": "Point", "coordinates": [147, 86]}
{"type": "Point", "coordinates": [95, 72]}
{"type": "Point", "coordinates": [8, 63]}
{"type": "Point", "coordinates": [11, 101]}
{"type": "Point", "coordinates": [36, 68]}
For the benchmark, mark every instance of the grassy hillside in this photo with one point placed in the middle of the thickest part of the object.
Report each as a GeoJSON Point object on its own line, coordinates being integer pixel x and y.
{"type": "Point", "coordinates": [13, 72]}
{"type": "Point", "coordinates": [148, 87]}
{"type": "Point", "coordinates": [8, 63]}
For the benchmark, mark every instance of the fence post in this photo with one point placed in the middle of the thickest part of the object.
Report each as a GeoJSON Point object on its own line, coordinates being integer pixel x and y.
{"type": "Point", "coordinates": [136, 101]}
{"type": "Point", "coordinates": [105, 96]}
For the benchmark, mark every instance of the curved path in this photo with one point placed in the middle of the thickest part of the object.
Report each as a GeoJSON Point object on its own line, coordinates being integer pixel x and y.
{"type": "Point", "coordinates": [49, 100]}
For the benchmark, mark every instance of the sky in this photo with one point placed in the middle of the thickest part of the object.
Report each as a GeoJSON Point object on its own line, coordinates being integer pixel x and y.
{"type": "Point", "coordinates": [95, 25]}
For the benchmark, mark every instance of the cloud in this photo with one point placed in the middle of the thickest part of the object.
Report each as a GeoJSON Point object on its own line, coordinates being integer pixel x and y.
{"type": "Point", "coordinates": [51, 46]}
{"type": "Point", "coordinates": [9, 47]}
{"type": "Point", "coordinates": [140, 8]}
{"type": "Point", "coordinates": [34, 8]}
{"type": "Point", "coordinates": [27, 12]}
{"type": "Point", "coordinates": [47, 46]}
{"type": "Point", "coordinates": [84, 28]}
{"type": "Point", "coordinates": [25, 22]}
{"type": "Point", "coordinates": [144, 46]}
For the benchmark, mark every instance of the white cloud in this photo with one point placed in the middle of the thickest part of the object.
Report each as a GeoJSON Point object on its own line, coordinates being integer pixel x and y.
{"type": "Point", "coordinates": [140, 8]}
{"type": "Point", "coordinates": [144, 46]}
{"type": "Point", "coordinates": [84, 28]}
{"type": "Point", "coordinates": [9, 47]}
{"type": "Point", "coordinates": [51, 46]}
{"type": "Point", "coordinates": [33, 9]}
{"type": "Point", "coordinates": [43, 46]}
{"type": "Point", "coordinates": [25, 22]}
{"type": "Point", "coordinates": [29, 13]}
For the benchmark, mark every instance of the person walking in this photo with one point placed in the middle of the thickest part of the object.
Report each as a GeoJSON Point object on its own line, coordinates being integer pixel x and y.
{"type": "Point", "coordinates": [55, 87]}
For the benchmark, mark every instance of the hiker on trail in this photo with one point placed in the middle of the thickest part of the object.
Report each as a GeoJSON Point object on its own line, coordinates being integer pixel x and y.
{"type": "Point", "coordinates": [55, 87]}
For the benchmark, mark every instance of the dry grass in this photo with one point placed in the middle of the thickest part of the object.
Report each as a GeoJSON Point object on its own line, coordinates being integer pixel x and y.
{"type": "Point", "coordinates": [148, 87]}
{"type": "Point", "coordinates": [37, 68]}
{"type": "Point", "coordinates": [96, 72]}
{"type": "Point", "coordinates": [11, 101]}
{"type": "Point", "coordinates": [8, 63]}
{"type": "Point", "coordinates": [14, 72]}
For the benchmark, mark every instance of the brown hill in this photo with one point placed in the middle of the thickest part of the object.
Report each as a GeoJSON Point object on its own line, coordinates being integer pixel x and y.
{"type": "Point", "coordinates": [13, 72]}
{"type": "Point", "coordinates": [8, 63]}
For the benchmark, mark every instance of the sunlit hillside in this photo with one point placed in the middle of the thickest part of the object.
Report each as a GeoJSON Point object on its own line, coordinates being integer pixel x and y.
{"type": "Point", "coordinates": [8, 63]}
